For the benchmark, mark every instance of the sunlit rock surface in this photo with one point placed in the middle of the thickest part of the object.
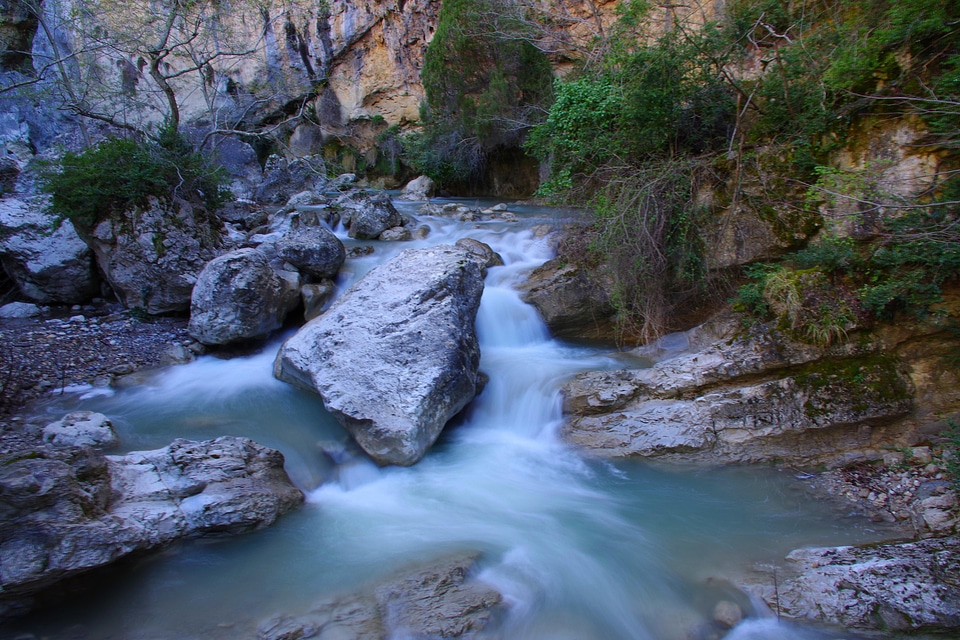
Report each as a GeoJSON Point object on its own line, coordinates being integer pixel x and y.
{"type": "Point", "coordinates": [396, 356]}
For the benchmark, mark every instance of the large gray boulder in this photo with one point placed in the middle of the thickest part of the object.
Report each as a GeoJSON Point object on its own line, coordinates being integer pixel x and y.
{"type": "Point", "coordinates": [239, 296]}
{"type": "Point", "coordinates": [365, 217]}
{"type": "Point", "coordinates": [396, 356]}
{"type": "Point", "coordinates": [50, 264]}
{"type": "Point", "coordinates": [314, 250]}
{"type": "Point", "coordinates": [900, 588]}
{"type": "Point", "coordinates": [64, 512]}
{"type": "Point", "coordinates": [152, 257]}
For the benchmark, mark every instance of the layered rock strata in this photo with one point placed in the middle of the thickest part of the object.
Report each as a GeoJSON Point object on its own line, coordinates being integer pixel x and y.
{"type": "Point", "coordinates": [756, 396]}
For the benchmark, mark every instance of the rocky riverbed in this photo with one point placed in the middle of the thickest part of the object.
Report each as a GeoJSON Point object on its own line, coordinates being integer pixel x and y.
{"type": "Point", "coordinates": [102, 345]}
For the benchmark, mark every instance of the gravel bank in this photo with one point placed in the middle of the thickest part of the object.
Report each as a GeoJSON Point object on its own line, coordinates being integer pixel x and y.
{"type": "Point", "coordinates": [65, 347]}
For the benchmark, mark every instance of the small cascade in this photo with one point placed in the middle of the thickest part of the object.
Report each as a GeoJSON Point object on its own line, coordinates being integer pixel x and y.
{"type": "Point", "coordinates": [579, 548]}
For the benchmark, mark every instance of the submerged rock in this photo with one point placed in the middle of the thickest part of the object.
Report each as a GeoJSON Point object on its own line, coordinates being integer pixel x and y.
{"type": "Point", "coordinates": [396, 356]}
{"type": "Point", "coordinates": [904, 588]}
{"type": "Point", "coordinates": [64, 512]}
{"type": "Point", "coordinates": [239, 296]}
{"type": "Point", "coordinates": [438, 600]}
{"type": "Point", "coordinates": [315, 297]}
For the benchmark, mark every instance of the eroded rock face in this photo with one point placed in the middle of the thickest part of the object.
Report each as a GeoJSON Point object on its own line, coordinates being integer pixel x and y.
{"type": "Point", "coordinates": [283, 179]}
{"type": "Point", "coordinates": [396, 356]}
{"type": "Point", "coordinates": [904, 588]}
{"type": "Point", "coordinates": [67, 511]}
{"type": "Point", "coordinates": [439, 600]}
{"type": "Point", "coordinates": [750, 398]}
{"type": "Point", "coordinates": [152, 258]}
{"type": "Point", "coordinates": [50, 264]}
{"type": "Point", "coordinates": [573, 301]}
{"type": "Point", "coordinates": [238, 296]}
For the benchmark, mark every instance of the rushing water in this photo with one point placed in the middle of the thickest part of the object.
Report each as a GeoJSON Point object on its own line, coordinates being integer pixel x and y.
{"type": "Point", "coordinates": [581, 549]}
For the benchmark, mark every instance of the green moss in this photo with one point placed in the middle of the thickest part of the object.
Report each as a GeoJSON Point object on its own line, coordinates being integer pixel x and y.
{"type": "Point", "coordinates": [20, 456]}
{"type": "Point", "coordinates": [869, 381]}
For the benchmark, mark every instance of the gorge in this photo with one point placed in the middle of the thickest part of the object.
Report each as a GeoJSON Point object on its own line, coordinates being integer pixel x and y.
{"type": "Point", "coordinates": [717, 399]}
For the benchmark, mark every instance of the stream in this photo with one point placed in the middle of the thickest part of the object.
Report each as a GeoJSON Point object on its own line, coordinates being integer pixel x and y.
{"type": "Point", "coordinates": [580, 548]}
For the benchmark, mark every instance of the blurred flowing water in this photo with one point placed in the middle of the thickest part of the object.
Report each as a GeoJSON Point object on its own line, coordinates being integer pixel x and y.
{"type": "Point", "coordinates": [580, 548]}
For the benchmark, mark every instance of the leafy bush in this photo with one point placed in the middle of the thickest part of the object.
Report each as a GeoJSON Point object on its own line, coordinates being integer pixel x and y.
{"type": "Point", "coordinates": [120, 174]}
{"type": "Point", "coordinates": [662, 100]}
{"type": "Point", "coordinates": [646, 228]}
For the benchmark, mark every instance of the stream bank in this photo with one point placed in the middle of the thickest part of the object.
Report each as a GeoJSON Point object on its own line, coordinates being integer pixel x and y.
{"type": "Point", "coordinates": [498, 483]}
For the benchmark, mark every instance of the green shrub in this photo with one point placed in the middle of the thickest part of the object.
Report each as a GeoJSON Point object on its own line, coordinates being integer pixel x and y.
{"type": "Point", "coordinates": [485, 84]}
{"type": "Point", "coordinates": [659, 101]}
{"type": "Point", "coordinates": [119, 174]}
